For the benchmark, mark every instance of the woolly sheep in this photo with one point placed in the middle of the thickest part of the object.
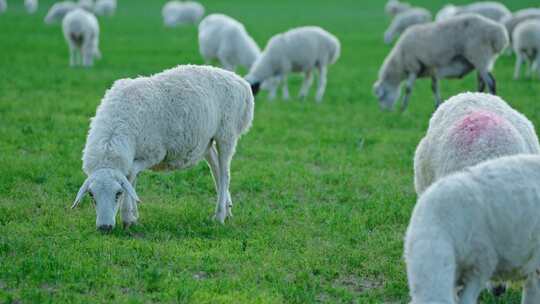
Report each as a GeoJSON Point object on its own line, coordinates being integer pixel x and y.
{"type": "Point", "coordinates": [86, 4]}
{"type": "Point", "coordinates": [492, 10]}
{"type": "Point", "coordinates": [395, 7]}
{"type": "Point", "coordinates": [527, 46]}
{"type": "Point", "coordinates": [81, 31]}
{"type": "Point", "coordinates": [473, 226]}
{"type": "Point", "coordinates": [3, 6]}
{"type": "Point", "coordinates": [468, 129]}
{"type": "Point", "coordinates": [223, 38]}
{"type": "Point", "coordinates": [182, 13]}
{"type": "Point", "coordinates": [58, 11]}
{"type": "Point", "coordinates": [31, 6]}
{"type": "Point", "coordinates": [105, 7]}
{"type": "Point", "coordinates": [169, 121]}
{"type": "Point", "coordinates": [300, 50]}
{"type": "Point", "coordinates": [446, 49]}
{"type": "Point", "coordinates": [404, 20]}
{"type": "Point", "coordinates": [518, 17]}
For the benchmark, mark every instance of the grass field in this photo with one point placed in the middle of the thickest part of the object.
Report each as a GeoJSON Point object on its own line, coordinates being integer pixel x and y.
{"type": "Point", "coordinates": [323, 193]}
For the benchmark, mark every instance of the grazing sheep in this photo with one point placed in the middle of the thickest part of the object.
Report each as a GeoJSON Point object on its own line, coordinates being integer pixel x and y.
{"type": "Point", "coordinates": [105, 7]}
{"type": "Point", "coordinates": [182, 13]}
{"type": "Point", "coordinates": [300, 50]}
{"type": "Point", "coordinates": [516, 18]}
{"type": "Point", "coordinates": [81, 31]}
{"type": "Point", "coordinates": [492, 10]}
{"type": "Point", "coordinates": [3, 6]}
{"type": "Point", "coordinates": [58, 11]}
{"type": "Point", "coordinates": [404, 20]}
{"type": "Point", "coordinates": [395, 7]}
{"type": "Point", "coordinates": [31, 6]}
{"type": "Point", "coordinates": [527, 46]}
{"type": "Point", "coordinates": [473, 226]}
{"type": "Point", "coordinates": [446, 49]}
{"type": "Point", "coordinates": [223, 38]}
{"type": "Point", "coordinates": [466, 130]}
{"type": "Point", "coordinates": [169, 121]}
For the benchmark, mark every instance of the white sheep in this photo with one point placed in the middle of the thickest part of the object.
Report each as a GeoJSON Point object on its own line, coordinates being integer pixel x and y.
{"type": "Point", "coordinates": [447, 49]}
{"type": "Point", "coordinates": [81, 31]}
{"type": "Point", "coordinates": [182, 13]}
{"type": "Point", "coordinates": [31, 6]}
{"type": "Point", "coordinates": [466, 130]}
{"type": "Point", "coordinates": [473, 226]}
{"type": "Point", "coordinates": [86, 4]}
{"type": "Point", "coordinates": [300, 50]}
{"type": "Point", "coordinates": [526, 37]}
{"type": "Point", "coordinates": [394, 7]}
{"type": "Point", "coordinates": [105, 7]}
{"type": "Point", "coordinates": [169, 121]}
{"type": "Point", "coordinates": [58, 11]}
{"type": "Point", "coordinates": [492, 10]}
{"type": "Point", "coordinates": [222, 37]}
{"type": "Point", "coordinates": [404, 20]}
{"type": "Point", "coordinates": [3, 6]}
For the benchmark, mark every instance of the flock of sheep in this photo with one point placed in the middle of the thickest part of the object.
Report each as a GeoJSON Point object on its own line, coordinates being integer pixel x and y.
{"type": "Point", "coordinates": [477, 170]}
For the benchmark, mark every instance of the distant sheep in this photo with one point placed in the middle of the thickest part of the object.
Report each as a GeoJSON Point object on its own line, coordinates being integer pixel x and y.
{"type": "Point", "coordinates": [222, 37]}
{"type": "Point", "coordinates": [403, 21]}
{"type": "Point", "coordinates": [518, 17]}
{"type": "Point", "coordinates": [527, 46]}
{"type": "Point", "coordinates": [58, 11]}
{"type": "Point", "coordinates": [182, 13]}
{"type": "Point", "coordinates": [105, 7]}
{"type": "Point", "coordinates": [474, 226]}
{"type": "Point", "coordinates": [81, 31]}
{"type": "Point", "coordinates": [492, 10]}
{"type": "Point", "coordinates": [31, 6]}
{"type": "Point", "coordinates": [395, 7]}
{"type": "Point", "coordinates": [300, 50]}
{"type": "Point", "coordinates": [87, 5]}
{"type": "Point", "coordinates": [446, 49]}
{"type": "Point", "coordinates": [3, 6]}
{"type": "Point", "coordinates": [466, 130]}
{"type": "Point", "coordinates": [169, 121]}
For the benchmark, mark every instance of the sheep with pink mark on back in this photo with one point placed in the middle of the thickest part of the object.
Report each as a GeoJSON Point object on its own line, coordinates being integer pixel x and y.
{"type": "Point", "coordinates": [466, 130]}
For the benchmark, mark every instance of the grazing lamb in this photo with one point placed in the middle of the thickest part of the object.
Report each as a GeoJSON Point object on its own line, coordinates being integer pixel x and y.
{"type": "Point", "coordinates": [466, 130]}
{"type": "Point", "coordinates": [182, 13]}
{"type": "Point", "coordinates": [58, 11]}
{"type": "Point", "coordinates": [492, 10]}
{"type": "Point", "coordinates": [300, 50]}
{"type": "Point", "coordinates": [404, 20]}
{"type": "Point", "coordinates": [223, 38]}
{"type": "Point", "coordinates": [3, 6]}
{"type": "Point", "coordinates": [473, 226]}
{"type": "Point", "coordinates": [31, 6]}
{"type": "Point", "coordinates": [169, 121]}
{"type": "Point", "coordinates": [105, 7]}
{"type": "Point", "coordinates": [395, 7]}
{"type": "Point", "coordinates": [446, 49]}
{"type": "Point", "coordinates": [527, 46]}
{"type": "Point", "coordinates": [81, 31]}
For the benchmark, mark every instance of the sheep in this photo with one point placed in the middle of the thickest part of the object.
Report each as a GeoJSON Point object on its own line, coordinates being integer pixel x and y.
{"type": "Point", "coordinates": [81, 31]}
{"type": "Point", "coordinates": [31, 6]}
{"type": "Point", "coordinates": [473, 226]}
{"type": "Point", "coordinates": [446, 49]}
{"type": "Point", "coordinates": [58, 11]}
{"type": "Point", "coordinates": [518, 17]}
{"type": "Point", "coordinates": [492, 10]}
{"type": "Point", "coordinates": [527, 46]}
{"type": "Point", "coordinates": [404, 20]}
{"type": "Point", "coordinates": [468, 129]}
{"type": "Point", "coordinates": [222, 37]}
{"type": "Point", "coordinates": [169, 121]}
{"type": "Point", "coordinates": [182, 13]}
{"type": "Point", "coordinates": [3, 6]}
{"type": "Point", "coordinates": [86, 4]}
{"type": "Point", "coordinates": [298, 50]}
{"type": "Point", "coordinates": [105, 7]}
{"type": "Point", "coordinates": [395, 7]}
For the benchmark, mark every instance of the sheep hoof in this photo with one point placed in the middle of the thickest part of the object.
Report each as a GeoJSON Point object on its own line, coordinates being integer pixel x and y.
{"type": "Point", "coordinates": [128, 225]}
{"type": "Point", "coordinates": [220, 217]}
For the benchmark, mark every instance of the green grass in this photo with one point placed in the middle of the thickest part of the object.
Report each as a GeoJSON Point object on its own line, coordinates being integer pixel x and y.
{"type": "Point", "coordinates": [323, 193]}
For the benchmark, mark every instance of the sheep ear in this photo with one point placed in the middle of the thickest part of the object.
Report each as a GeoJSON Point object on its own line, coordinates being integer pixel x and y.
{"type": "Point", "coordinates": [81, 193]}
{"type": "Point", "coordinates": [126, 185]}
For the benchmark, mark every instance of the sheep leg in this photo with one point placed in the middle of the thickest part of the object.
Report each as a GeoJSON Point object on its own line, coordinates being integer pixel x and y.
{"type": "Point", "coordinates": [472, 290]}
{"type": "Point", "coordinates": [225, 153]}
{"type": "Point", "coordinates": [492, 84]}
{"type": "Point", "coordinates": [306, 85]}
{"type": "Point", "coordinates": [87, 53]}
{"type": "Point", "coordinates": [481, 83]}
{"type": "Point", "coordinates": [436, 91]}
{"type": "Point", "coordinates": [322, 83]}
{"type": "Point", "coordinates": [129, 211]}
{"type": "Point", "coordinates": [72, 56]}
{"type": "Point", "coordinates": [213, 162]}
{"type": "Point", "coordinates": [519, 63]}
{"type": "Point", "coordinates": [286, 95]}
{"type": "Point", "coordinates": [535, 64]}
{"type": "Point", "coordinates": [487, 78]}
{"type": "Point", "coordinates": [408, 90]}
{"type": "Point", "coordinates": [531, 290]}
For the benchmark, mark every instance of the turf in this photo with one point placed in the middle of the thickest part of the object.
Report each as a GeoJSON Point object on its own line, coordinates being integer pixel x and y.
{"type": "Point", "coordinates": [323, 193]}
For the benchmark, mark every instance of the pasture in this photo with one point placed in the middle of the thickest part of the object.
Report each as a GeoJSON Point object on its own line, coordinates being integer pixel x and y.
{"type": "Point", "coordinates": [323, 192]}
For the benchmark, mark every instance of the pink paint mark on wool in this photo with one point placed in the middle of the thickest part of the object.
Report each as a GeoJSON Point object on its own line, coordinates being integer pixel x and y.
{"type": "Point", "coordinates": [476, 125]}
